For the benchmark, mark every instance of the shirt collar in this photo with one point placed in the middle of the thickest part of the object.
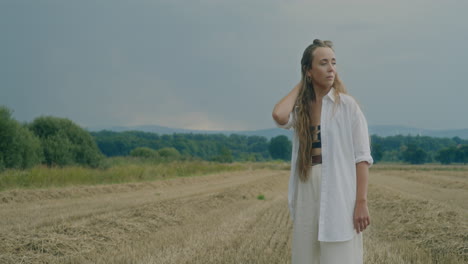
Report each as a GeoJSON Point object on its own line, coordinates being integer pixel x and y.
{"type": "Point", "coordinates": [331, 94]}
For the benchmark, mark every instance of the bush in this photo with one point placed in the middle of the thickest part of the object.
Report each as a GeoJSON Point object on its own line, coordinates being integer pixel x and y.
{"type": "Point", "coordinates": [65, 143]}
{"type": "Point", "coordinates": [169, 153]}
{"type": "Point", "coordinates": [144, 152]}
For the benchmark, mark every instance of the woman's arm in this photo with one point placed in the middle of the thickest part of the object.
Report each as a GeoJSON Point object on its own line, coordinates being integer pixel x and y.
{"type": "Point", "coordinates": [363, 160]}
{"type": "Point", "coordinates": [362, 174]}
{"type": "Point", "coordinates": [284, 107]}
{"type": "Point", "coordinates": [361, 212]}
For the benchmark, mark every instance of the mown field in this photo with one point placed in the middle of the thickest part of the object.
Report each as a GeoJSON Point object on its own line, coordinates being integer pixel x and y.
{"type": "Point", "coordinates": [418, 214]}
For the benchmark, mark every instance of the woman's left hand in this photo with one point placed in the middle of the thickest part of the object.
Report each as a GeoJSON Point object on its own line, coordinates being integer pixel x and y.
{"type": "Point", "coordinates": [361, 216]}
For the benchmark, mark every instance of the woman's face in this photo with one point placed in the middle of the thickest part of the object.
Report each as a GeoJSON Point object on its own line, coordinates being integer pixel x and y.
{"type": "Point", "coordinates": [323, 69]}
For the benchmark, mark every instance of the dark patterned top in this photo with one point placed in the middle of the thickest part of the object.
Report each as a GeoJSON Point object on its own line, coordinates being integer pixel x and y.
{"type": "Point", "coordinates": [316, 139]}
{"type": "Point", "coordinates": [316, 145]}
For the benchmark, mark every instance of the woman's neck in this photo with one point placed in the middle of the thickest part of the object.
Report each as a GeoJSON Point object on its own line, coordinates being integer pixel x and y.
{"type": "Point", "coordinates": [320, 92]}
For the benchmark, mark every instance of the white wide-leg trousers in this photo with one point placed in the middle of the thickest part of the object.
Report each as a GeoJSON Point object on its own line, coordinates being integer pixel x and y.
{"type": "Point", "coordinates": [306, 249]}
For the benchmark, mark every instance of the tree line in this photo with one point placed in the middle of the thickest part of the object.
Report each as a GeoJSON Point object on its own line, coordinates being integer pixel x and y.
{"type": "Point", "coordinates": [54, 141]}
{"type": "Point", "coordinates": [419, 149]}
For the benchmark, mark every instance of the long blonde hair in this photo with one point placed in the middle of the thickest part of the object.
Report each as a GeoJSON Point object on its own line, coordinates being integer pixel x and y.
{"type": "Point", "coordinates": [303, 102]}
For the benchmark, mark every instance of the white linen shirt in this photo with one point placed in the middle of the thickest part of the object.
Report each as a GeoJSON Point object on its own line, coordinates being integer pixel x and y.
{"type": "Point", "coordinates": [345, 142]}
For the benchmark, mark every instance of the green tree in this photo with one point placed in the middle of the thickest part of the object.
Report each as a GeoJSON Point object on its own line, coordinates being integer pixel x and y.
{"type": "Point", "coordinates": [461, 154]}
{"type": "Point", "coordinates": [457, 140]}
{"type": "Point", "coordinates": [224, 156]}
{"type": "Point", "coordinates": [414, 154]}
{"type": "Point", "coordinates": [377, 152]}
{"type": "Point", "coordinates": [19, 148]}
{"type": "Point", "coordinates": [446, 155]}
{"type": "Point", "coordinates": [65, 143]}
{"type": "Point", "coordinates": [280, 148]}
{"type": "Point", "coordinates": [58, 149]}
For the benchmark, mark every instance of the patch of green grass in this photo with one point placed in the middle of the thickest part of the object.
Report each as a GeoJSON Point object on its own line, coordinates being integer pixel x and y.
{"type": "Point", "coordinates": [123, 170]}
{"type": "Point", "coordinates": [119, 170]}
{"type": "Point", "coordinates": [261, 197]}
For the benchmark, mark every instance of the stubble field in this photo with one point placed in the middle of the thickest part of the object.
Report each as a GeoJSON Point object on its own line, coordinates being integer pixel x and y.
{"type": "Point", "coordinates": [419, 214]}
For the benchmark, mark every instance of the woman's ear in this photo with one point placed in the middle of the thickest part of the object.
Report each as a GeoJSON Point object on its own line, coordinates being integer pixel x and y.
{"type": "Point", "coordinates": [309, 73]}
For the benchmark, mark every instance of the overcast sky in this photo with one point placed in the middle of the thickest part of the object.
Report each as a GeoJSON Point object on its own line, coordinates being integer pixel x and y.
{"type": "Point", "coordinates": [223, 65]}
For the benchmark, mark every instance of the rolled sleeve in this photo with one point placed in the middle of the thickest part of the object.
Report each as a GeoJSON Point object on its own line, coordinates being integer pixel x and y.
{"type": "Point", "coordinates": [289, 124]}
{"type": "Point", "coordinates": [361, 140]}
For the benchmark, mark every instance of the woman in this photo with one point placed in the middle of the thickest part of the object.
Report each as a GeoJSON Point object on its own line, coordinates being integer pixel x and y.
{"type": "Point", "coordinates": [330, 163]}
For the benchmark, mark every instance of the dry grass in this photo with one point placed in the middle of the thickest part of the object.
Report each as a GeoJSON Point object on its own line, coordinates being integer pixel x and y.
{"type": "Point", "coordinates": [217, 218]}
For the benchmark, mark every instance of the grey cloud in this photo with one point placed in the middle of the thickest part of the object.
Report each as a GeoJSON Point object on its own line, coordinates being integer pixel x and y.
{"type": "Point", "coordinates": [224, 64]}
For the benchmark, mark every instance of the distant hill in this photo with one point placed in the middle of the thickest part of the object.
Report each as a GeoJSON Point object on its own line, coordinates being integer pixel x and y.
{"type": "Point", "coordinates": [401, 130]}
{"type": "Point", "coordinates": [382, 131]}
